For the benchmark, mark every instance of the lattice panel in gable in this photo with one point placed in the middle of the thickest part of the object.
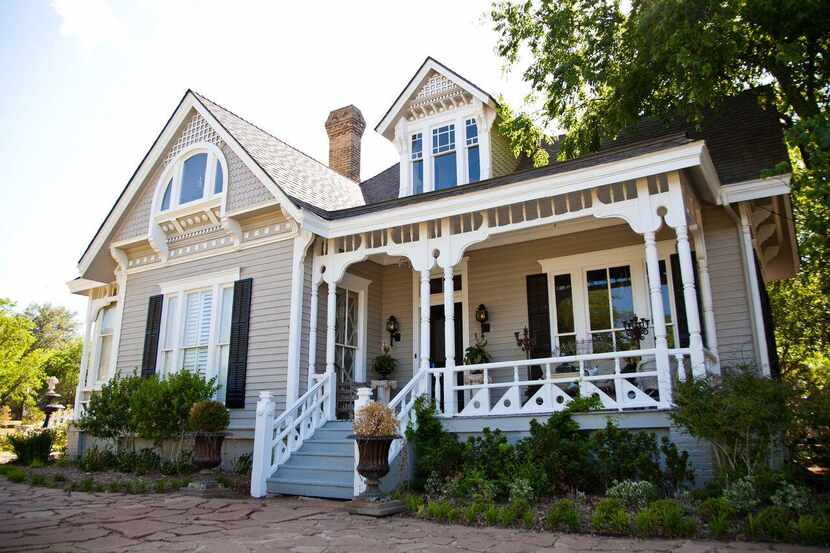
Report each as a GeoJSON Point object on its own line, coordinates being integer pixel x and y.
{"type": "Point", "coordinates": [196, 130]}
{"type": "Point", "coordinates": [436, 85]}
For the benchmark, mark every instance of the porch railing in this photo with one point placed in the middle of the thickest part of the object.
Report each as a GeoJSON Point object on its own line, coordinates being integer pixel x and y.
{"type": "Point", "coordinates": [277, 437]}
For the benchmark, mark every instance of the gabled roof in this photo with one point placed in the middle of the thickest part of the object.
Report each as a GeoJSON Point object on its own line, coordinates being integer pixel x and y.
{"type": "Point", "coordinates": [298, 175]}
{"type": "Point", "coordinates": [430, 64]}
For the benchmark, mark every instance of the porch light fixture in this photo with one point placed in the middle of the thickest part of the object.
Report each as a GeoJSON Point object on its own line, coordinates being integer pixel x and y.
{"type": "Point", "coordinates": [394, 330]}
{"type": "Point", "coordinates": [636, 328]}
{"type": "Point", "coordinates": [482, 317]}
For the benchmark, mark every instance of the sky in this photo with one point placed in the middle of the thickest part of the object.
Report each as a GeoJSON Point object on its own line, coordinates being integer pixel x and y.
{"type": "Point", "coordinates": [87, 85]}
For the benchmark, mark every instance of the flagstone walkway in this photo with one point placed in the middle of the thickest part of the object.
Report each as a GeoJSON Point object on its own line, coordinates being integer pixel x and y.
{"type": "Point", "coordinates": [42, 519]}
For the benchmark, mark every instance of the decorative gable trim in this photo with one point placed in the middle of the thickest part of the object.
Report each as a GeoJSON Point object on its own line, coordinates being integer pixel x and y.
{"type": "Point", "coordinates": [386, 127]}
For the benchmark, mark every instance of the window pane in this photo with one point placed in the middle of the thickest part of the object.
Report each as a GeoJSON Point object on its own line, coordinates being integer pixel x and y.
{"type": "Point", "coordinates": [418, 176]}
{"type": "Point", "coordinates": [564, 304]}
{"type": "Point", "coordinates": [445, 175]}
{"type": "Point", "coordinates": [598, 299]}
{"type": "Point", "coordinates": [170, 324]}
{"type": "Point", "coordinates": [472, 158]}
{"type": "Point", "coordinates": [165, 200]}
{"type": "Point", "coordinates": [622, 299]}
{"type": "Point", "coordinates": [197, 317]}
{"type": "Point", "coordinates": [219, 181]}
{"type": "Point", "coordinates": [602, 342]}
{"type": "Point", "coordinates": [340, 316]}
{"type": "Point", "coordinates": [417, 146]}
{"type": "Point", "coordinates": [351, 325]}
{"type": "Point", "coordinates": [472, 132]}
{"type": "Point", "coordinates": [567, 345]}
{"type": "Point", "coordinates": [225, 321]}
{"type": "Point", "coordinates": [107, 320]}
{"type": "Point", "coordinates": [104, 352]}
{"type": "Point", "coordinates": [193, 178]}
{"type": "Point", "coordinates": [195, 360]}
{"type": "Point", "coordinates": [443, 139]}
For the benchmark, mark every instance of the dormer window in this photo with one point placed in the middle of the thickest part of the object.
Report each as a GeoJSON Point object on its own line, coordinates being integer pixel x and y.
{"type": "Point", "coordinates": [198, 174]}
{"type": "Point", "coordinates": [443, 152]}
{"type": "Point", "coordinates": [417, 156]}
{"type": "Point", "coordinates": [473, 162]}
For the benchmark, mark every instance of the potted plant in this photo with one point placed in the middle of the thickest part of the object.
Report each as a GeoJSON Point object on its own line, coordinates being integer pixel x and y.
{"type": "Point", "coordinates": [384, 364]}
{"type": "Point", "coordinates": [477, 353]}
{"type": "Point", "coordinates": [208, 421]}
{"type": "Point", "coordinates": [374, 429]}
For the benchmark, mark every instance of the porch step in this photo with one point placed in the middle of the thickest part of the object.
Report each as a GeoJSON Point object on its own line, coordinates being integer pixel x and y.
{"type": "Point", "coordinates": [322, 467]}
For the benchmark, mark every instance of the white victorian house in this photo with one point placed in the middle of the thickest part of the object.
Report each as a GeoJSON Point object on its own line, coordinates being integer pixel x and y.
{"type": "Point", "coordinates": [233, 254]}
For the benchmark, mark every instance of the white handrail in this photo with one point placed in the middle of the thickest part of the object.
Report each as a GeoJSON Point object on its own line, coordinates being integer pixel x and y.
{"type": "Point", "coordinates": [275, 438]}
{"type": "Point", "coordinates": [402, 405]}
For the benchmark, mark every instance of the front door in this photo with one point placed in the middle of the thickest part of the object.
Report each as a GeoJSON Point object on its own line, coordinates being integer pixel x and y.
{"type": "Point", "coordinates": [437, 352]}
{"type": "Point", "coordinates": [346, 350]}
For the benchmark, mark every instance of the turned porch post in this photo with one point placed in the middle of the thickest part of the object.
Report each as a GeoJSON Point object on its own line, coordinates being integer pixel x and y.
{"type": "Point", "coordinates": [331, 307]}
{"type": "Point", "coordinates": [684, 251]}
{"type": "Point", "coordinates": [425, 330]}
{"type": "Point", "coordinates": [658, 314]}
{"type": "Point", "coordinates": [705, 289]}
{"type": "Point", "coordinates": [449, 342]}
{"type": "Point", "coordinates": [312, 333]}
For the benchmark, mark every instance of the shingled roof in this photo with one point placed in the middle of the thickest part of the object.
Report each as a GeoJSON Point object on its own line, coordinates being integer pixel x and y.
{"type": "Point", "coordinates": [301, 177]}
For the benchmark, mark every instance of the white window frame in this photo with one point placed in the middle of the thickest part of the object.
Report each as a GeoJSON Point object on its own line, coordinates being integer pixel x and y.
{"type": "Point", "coordinates": [94, 343]}
{"type": "Point", "coordinates": [434, 156]}
{"type": "Point", "coordinates": [413, 159]}
{"type": "Point", "coordinates": [360, 286]}
{"type": "Point", "coordinates": [174, 171]}
{"type": "Point", "coordinates": [579, 265]}
{"type": "Point", "coordinates": [470, 143]}
{"type": "Point", "coordinates": [215, 282]}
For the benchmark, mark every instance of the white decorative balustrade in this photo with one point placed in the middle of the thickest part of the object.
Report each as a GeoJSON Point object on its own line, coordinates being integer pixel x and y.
{"type": "Point", "coordinates": [402, 405]}
{"type": "Point", "coordinates": [276, 438]}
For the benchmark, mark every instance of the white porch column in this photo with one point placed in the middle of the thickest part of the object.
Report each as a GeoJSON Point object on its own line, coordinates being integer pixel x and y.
{"type": "Point", "coordinates": [748, 250]}
{"type": "Point", "coordinates": [88, 345]}
{"type": "Point", "coordinates": [425, 309]}
{"type": "Point", "coordinates": [331, 306]}
{"type": "Point", "coordinates": [656, 294]}
{"type": "Point", "coordinates": [449, 342]}
{"type": "Point", "coordinates": [705, 289]}
{"type": "Point", "coordinates": [312, 333]}
{"type": "Point", "coordinates": [684, 252]}
{"type": "Point", "coordinates": [292, 386]}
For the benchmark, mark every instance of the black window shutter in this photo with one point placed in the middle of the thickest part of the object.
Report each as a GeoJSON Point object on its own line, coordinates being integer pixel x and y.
{"type": "Point", "coordinates": [151, 336]}
{"type": "Point", "coordinates": [538, 315]}
{"type": "Point", "coordinates": [680, 302]}
{"type": "Point", "coordinates": [238, 354]}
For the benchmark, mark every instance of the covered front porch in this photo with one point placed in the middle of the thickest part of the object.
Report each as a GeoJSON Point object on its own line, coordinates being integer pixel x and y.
{"type": "Point", "coordinates": [574, 269]}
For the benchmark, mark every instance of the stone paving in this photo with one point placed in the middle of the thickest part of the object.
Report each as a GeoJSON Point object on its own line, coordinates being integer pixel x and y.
{"type": "Point", "coordinates": [42, 519]}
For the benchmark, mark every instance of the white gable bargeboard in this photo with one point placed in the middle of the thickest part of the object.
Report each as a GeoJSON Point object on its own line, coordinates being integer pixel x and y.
{"type": "Point", "coordinates": [243, 188]}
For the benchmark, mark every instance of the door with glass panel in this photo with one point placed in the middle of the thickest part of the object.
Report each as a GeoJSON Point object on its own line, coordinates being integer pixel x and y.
{"type": "Point", "coordinates": [346, 349]}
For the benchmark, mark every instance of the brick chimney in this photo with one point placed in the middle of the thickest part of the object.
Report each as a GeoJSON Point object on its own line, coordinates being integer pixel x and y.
{"type": "Point", "coordinates": [345, 126]}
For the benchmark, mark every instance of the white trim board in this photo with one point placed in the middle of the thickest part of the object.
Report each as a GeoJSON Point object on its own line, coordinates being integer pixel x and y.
{"type": "Point", "coordinates": [754, 189]}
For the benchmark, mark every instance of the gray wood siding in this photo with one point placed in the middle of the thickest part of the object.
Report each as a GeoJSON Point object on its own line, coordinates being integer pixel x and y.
{"type": "Point", "coordinates": [270, 267]}
{"type": "Point", "coordinates": [375, 322]}
{"type": "Point", "coordinates": [730, 296]}
{"type": "Point", "coordinates": [397, 301]}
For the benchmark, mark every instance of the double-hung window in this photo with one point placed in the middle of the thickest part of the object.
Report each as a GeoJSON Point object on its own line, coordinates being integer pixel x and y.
{"type": "Point", "coordinates": [610, 304]}
{"type": "Point", "coordinates": [103, 332]}
{"type": "Point", "coordinates": [417, 156]}
{"type": "Point", "coordinates": [196, 328]}
{"type": "Point", "coordinates": [444, 156]}
{"type": "Point", "coordinates": [473, 161]}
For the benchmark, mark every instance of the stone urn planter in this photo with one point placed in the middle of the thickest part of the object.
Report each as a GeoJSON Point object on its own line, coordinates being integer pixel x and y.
{"type": "Point", "coordinates": [207, 449]}
{"type": "Point", "coordinates": [373, 463]}
{"type": "Point", "coordinates": [208, 421]}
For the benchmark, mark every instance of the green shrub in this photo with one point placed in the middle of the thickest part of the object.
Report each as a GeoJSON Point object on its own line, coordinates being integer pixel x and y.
{"type": "Point", "coordinates": [634, 495]}
{"type": "Point", "coordinates": [492, 456]}
{"type": "Point", "coordinates": [624, 455]}
{"type": "Point", "coordinates": [59, 478]}
{"type": "Point", "coordinates": [742, 415]}
{"type": "Point", "coordinates": [33, 446]}
{"type": "Point", "coordinates": [87, 485]}
{"type": "Point", "coordinates": [209, 416]}
{"type": "Point", "coordinates": [95, 460]}
{"type": "Point", "coordinates": [520, 489]}
{"type": "Point", "coordinates": [491, 515]}
{"type": "Point", "coordinates": [812, 530]}
{"type": "Point", "coordinates": [561, 450]}
{"type": "Point", "coordinates": [742, 495]}
{"type": "Point", "coordinates": [610, 517]}
{"type": "Point", "coordinates": [160, 408]}
{"type": "Point", "coordinates": [791, 497]}
{"type": "Point", "coordinates": [183, 463]}
{"type": "Point", "coordinates": [664, 518]}
{"type": "Point", "coordinates": [114, 487]}
{"type": "Point", "coordinates": [414, 503]}
{"type": "Point", "coordinates": [720, 526]}
{"type": "Point", "coordinates": [15, 474]}
{"type": "Point", "coordinates": [678, 471]}
{"type": "Point", "coordinates": [563, 515]}
{"type": "Point", "coordinates": [435, 449]}
{"type": "Point", "coordinates": [243, 464]}
{"type": "Point", "coordinates": [771, 523]}
{"type": "Point", "coordinates": [508, 515]}
{"type": "Point", "coordinates": [107, 415]}
{"type": "Point", "coordinates": [38, 480]}
{"type": "Point", "coordinates": [716, 507]}
{"type": "Point", "coordinates": [439, 510]}
{"type": "Point", "coordinates": [139, 462]}
{"type": "Point", "coordinates": [473, 511]}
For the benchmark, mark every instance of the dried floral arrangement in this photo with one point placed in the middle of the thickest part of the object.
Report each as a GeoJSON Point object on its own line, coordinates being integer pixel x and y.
{"type": "Point", "coordinates": [376, 420]}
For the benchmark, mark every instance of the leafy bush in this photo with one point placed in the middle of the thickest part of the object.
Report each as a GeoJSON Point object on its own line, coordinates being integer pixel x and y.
{"type": "Point", "coordinates": [633, 494]}
{"type": "Point", "coordinates": [771, 523]}
{"type": "Point", "coordinates": [791, 497]}
{"type": "Point", "coordinates": [809, 435]}
{"type": "Point", "coordinates": [561, 450]}
{"type": "Point", "coordinates": [208, 416]}
{"type": "Point", "coordinates": [610, 517]}
{"type": "Point", "coordinates": [243, 464]}
{"type": "Point", "coordinates": [473, 511]}
{"type": "Point", "coordinates": [625, 455]}
{"type": "Point", "coordinates": [520, 489]}
{"type": "Point", "coordinates": [474, 485]}
{"type": "Point", "coordinates": [716, 507]}
{"type": "Point", "coordinates": [563, 515]}
{"type": "Point", "coordinates": [678, 471]}
{"type": "Point", "coordinates": [742, 416]}
{"type": "Point", "coordinates": [33, 446]}
{"type": "Point", "coordinates": [664, 518]}
{"type": "Point", "coordinates": [107, 415]}
{"type": "Point", "coordinates": [160, 408]}
{"type": "Point", "coordinates": [14, 474]}
{"type": "Point", "coordinates": [435, 449]}
{"type": "Point", "coordinates": [491, 515]}
{"type": "Point", "coordinates": [182, 463]}
{"type": "Point", "coordinates": [812, 529]}
{"type": "Point", "coordinates": [95, 460]}
{"type": "Point", "coordinates": [742, 495]}
{"type": "Point", "coordinates": [139, 462]}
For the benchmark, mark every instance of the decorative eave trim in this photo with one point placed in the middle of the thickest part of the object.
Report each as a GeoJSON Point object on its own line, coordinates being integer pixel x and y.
{"type": "Point", "coordinates": [745, 191]}
{"type": "Point", "coordinates": [81, 285]}
{"type": "Point", "coordinates": [429, 65]}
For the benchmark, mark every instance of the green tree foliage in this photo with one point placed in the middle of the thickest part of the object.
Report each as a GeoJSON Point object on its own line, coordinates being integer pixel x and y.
{"type": "Point", "coordinates": [54, 326]}
{"type": "Point", "coordinates": [22, 366]}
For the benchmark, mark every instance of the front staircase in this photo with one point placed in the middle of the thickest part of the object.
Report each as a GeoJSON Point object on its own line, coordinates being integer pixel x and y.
{"type": "Point", "coordinates": [322, 467]}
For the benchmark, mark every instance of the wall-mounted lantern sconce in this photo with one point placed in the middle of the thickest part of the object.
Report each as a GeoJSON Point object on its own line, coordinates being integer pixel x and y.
{"type": "Point", "coordinates": [482, 317]}
{"type": "Point", "coordinates": [394, 330]}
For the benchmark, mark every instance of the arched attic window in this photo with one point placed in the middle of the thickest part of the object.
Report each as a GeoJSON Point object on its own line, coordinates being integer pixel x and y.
{"type": "Point", "coordinates": [195, 175]}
